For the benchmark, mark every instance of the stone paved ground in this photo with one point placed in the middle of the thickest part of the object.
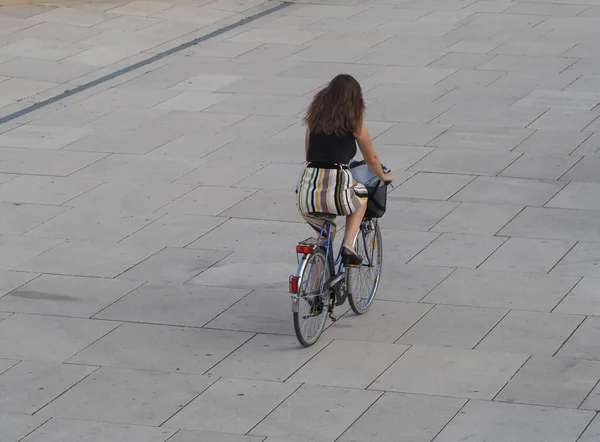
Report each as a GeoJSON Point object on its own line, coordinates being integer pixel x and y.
{"type": "Point", "coordinates": [147, 224]}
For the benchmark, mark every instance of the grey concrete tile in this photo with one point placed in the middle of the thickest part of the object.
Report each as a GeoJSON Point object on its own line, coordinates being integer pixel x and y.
{"type": "Point", "coordinates": [584, 170]}
{"type": "Point", "coordinates": [536, 222]}
{"type": "Point", "coordinates": [29, 386]}
{"type": "Point", "coordinates": [136, 167]}
{"type": "Point", "coordinates": [57, 430]}
{"type": "Point", "coordinates": [17, 426]}
{"type": "Point", "coordinates": [526, 63]}
{"type": "Point", "coordinates": [174, 230]}
{"type": "Point", "coordinates": [411, 134]}
{"type": "Point", "coordinates": [351, 364]}
{"type": "Point", "coordinates": [172, 304]}
{"type": "Point", "coordinates": [560, 99]}
{"type": "Point", "coordinates": [192, 101]}
{"type": "Point", "coordinates": [481, 137]}
{"type": "Point", "coordinates": [211, 436]}
{"type": "Point", "coordinates": [65, 296]}
{"type": "Point", "coordinates": [493, 112]}
{"type": "Point", "coordinates": [48, 162]}
{"type": "Point", "coordinates": [275, 105]}
{"type": "Point", "coordinates": [207, 201]}
{"type": "Point", "coordinates": [458, 250]}
{"type": "Point", "coordinates": [386, 322]}
{"type": "Point", "coordinates": [417, 418]}
{"type": "Point", "coordinates": [496, 422]}
{"type": "Point", "coordinates": [275, 205]}
{"type": "Point", "coordinates": [475, 162]}
{"type": "Point", "coordinates": [410, 283]}
{"type": "Point", "coordinates": [531, 333]}
{"type": "Point", "coordinates": [438, 186]}
{"type": "Point", "coordinates": [272, 51]}
{"type": "Point", "coordinates": [592, 432]}
{"type": "Point", "coordinates": [259, 126]}
{"type": "Point", "coordinates": [92, 224]}
{"type": "Point", "coordinates": [461, 60]}
{"type": "Point", "coordinates": [12, 280]}
{"type": "Point", "coordinates": [73, 16]}
{"type": "Point", "coordinates": [189, 147]}
{"type": "Point", "coordinates": [480, 288]}
{"type": "Point", "coordinates": [401, 246]}
{"type": "Point", "coordinates": [501, 190]}
{"type": "Point", "coordinates": [312, 401]}
{"type": "Point", "coordinates": [477, 218]}
{"type": "Point", "coordinates": [577, 196]}
{"type": "Point", "coordinates": [261, 235]}
{"type": "Point", "coordinates": [554, 382]}
{"type": "Point", "coordinates": [592, 402]}
{"type": "Point", "coordinates": [403, 57]}
{"type": "Point", "coordinates": [210, 175]}
{"type": "Point", "coordinates": [260, 312]}
{"type": "Point", "coordinates": [590, 147]}
{"type": "Point", "coordinates": [274, 176]}
{"type": "Point", "coordinates": [414, 214]}
{"type": "Point", "coordinates": [130, 197]}
{"type": "Point", "coordinates": [267, 357]}
{"type": "Point", "coordinates": [411, 75]}
{"type": "Point", "coordinates": [19, 249]}
{"type": "Point", "coordinates": [328, 50]}
{"type": "Point", "coordinates": [108, 393]}
{"type": "Point", "coordinates": [125, 141]}
{"type": "Point", "coordinates": [86, 258]}
{"type": "Point", "coordinates": [450, 372]}
{"type": "Point", "coordinates": [540, 166]}
{"type": "Point", "coordinates": [232, 405]}
{"type": "Point", "coordinates": [401, 157]}
{"type": "Point", "coordinates": [45, 190]}
{"type": "Point", "coordinates": [41, 68]}
{"type": "Point", "coordinates": [274, 149]}
{"type": "Point", "coordinates": [17, 89]}
{"type": "Point", "coordinates": [124, 118]}
{"type": "Point", "coordinates": [405, 112]}
{"type": "Point", "coordinates": [175, 265]}
{"type": "Point", "coordinates": [564, 120]}
{"type": "Point", "coordinates": [582, 300]}
{"type": "Point", "coordinates": [289, 86]}
{"type": "Point", "coordinates": [553, 141]}
{"type": "Point", "coordinates": [582, 260]}
{"type": "Point", "coordinates": [453, 326]}
{"type": "Point", "coordinates": [161, 348]}
{"type": "Point", "coordinates": [47, 338]}
{"type": "Point", "coordinates": [42, 137]}
{"type": "Point", "coordinates": [326, 71]}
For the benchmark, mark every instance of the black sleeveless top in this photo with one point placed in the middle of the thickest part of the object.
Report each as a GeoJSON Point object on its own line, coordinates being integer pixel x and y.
{"type": "Point", "coordinates": [338, 149]}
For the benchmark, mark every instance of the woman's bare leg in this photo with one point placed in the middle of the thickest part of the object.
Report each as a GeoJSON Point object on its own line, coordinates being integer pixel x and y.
{"type": "Point", "coordinates": [353, 225]}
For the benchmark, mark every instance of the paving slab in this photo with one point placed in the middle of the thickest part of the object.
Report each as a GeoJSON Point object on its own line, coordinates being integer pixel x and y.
{"type": "Point", "coordinates": [17, 426]}
{"type": "Point", "coordinates": [451, 372]}
{"type": "Point", "coordinates": [411, 282]}
{"type": "Point", "coordinates": [29, 386]}
{"type": "Point", "coordinates": [58, 429]}
{"type": "Point", "coordinates": [553, 382]}
{"type": "Point", "coordinates": [477, 218]}
{"type": "Point", "coordinates": [581, 300]}
{"type": "Point", "coordinates": [579, 345]}
{"type": "Point", "coordinates": [157, 396]}
{"type": "Point", "coordinates": [48, 338]}
{"type": "Point", "coordinates": [211, 436]}
{"type": "Point", "coordinates": [531, 332]}
{"type": "Point", "coordinates": [582, 260]}
{"type": "Point", "coordinates": [65, 295]}
{"type": "Point", "coordinates": [496, 422]}
{"type": "Point", "coordinates": [484, 288]}
{"type": "Point", "coordinates": [540, 166]}
{"type": "Point", "coordinates": [344, 405]}
{"type": "Point", "coordinates": [247, 401]}
{"type": "Point", "coordinates": [161, 348]}
{"type": "Point", "coordinates": [453, 326]}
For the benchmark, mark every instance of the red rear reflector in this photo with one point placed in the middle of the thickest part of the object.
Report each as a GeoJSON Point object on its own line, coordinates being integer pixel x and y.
{"type": "Point", "coordinates": [305, 250]}
{"type": "Point", "coordinates": [293, 284]}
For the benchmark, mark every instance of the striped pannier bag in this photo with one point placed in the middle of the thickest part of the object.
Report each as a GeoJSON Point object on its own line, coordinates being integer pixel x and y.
{"type": "Point", "coordinates": [329, 190]}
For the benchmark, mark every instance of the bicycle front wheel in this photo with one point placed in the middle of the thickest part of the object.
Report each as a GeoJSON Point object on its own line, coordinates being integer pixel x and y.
{"type": "Point", "coordinates": [363, 280]}
{"type": "Point", "coordinates": [311, 314]}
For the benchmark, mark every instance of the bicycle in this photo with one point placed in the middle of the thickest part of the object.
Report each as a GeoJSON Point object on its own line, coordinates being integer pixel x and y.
{"type": "Point", "coordinates": [317, 287]}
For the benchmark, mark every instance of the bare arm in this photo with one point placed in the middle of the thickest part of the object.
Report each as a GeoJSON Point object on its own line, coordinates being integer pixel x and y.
{"type": "Point", "coordinates": [369, 154]}
{"type": "Point", "coordinates": [306, 140]}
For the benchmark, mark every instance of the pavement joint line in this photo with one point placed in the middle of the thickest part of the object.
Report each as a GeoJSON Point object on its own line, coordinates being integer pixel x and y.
{"type": "Point", "coordinates": [142, 63]}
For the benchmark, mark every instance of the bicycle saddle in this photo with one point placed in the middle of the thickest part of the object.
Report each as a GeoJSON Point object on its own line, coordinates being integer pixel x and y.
{"type": "Point", "coordinates": [322, 215]}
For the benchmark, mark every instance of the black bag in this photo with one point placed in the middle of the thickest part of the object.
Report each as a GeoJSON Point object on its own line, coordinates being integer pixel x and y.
{"type": "Point", "coordinates": [376, 205]}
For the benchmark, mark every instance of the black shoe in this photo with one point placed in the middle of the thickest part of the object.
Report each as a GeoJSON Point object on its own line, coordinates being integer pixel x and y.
{"type": "Point", "coordinates": [350, 258]}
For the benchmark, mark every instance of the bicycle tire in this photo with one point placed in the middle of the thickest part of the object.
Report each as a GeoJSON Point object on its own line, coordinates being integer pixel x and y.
{"type": "Point", "coordinates": [363, 280]}
{"type": "Point", "coordinates": [314, 304]}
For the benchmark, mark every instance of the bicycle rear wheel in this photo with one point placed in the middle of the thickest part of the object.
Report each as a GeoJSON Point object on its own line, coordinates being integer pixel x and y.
{"type": "Point", "coordinates": [363, 280]}
{"type": "Point", "coordinates": [311, 313]}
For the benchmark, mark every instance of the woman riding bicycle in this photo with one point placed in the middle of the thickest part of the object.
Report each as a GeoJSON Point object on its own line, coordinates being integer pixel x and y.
{"type": "Point", "coordinates": [335, 125]}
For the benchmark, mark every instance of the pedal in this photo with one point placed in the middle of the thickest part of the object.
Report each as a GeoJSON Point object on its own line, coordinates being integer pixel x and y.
{"type": "Point", "coordinates": [332, 318]}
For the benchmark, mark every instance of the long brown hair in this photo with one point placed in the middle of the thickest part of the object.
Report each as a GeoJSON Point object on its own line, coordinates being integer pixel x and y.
{"type": "Point", "coordinates": [337, 108]}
